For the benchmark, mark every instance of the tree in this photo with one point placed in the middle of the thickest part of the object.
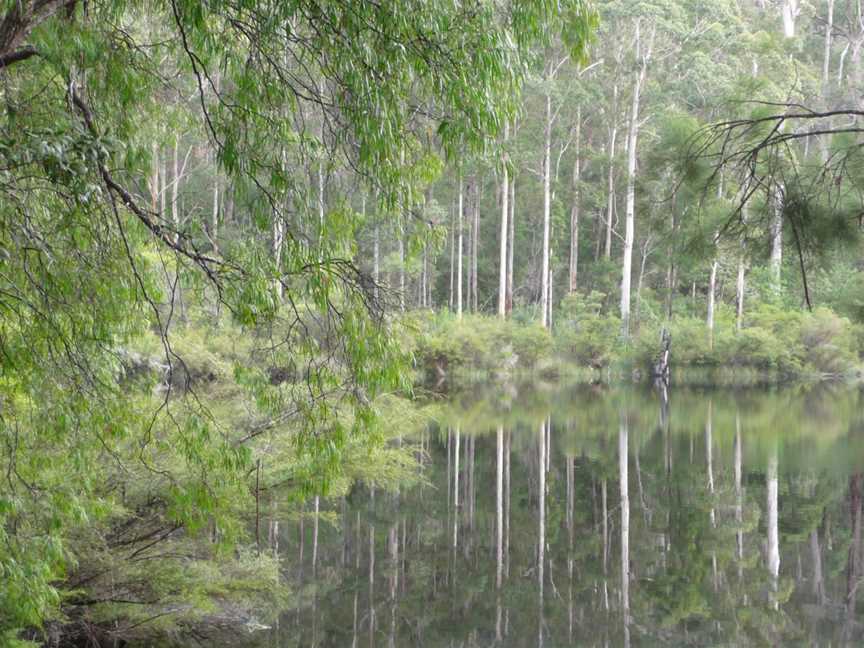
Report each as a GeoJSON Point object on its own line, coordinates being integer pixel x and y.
{"type": "Point", "coordinates": [351, 90]}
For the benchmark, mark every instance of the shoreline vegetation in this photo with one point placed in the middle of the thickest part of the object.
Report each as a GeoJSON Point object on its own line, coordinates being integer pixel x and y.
{"type": "Point", "coordinates": [775, 347]}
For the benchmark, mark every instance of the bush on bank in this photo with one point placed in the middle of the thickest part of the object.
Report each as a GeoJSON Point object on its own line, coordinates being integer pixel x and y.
{"type": "Point", "coordinates": [783, 342]}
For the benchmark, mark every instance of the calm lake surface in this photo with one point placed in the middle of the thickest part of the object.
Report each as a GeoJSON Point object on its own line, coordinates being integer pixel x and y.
{"type": "Point", "coordinates": [597, 516]}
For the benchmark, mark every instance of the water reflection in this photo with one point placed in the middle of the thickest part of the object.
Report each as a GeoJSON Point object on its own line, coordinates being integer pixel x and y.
{"type": "Point", "coordinates": [600, 518]}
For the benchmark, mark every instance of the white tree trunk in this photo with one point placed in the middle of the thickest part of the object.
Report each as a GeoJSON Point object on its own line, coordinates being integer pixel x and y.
{"type": "Point", "coordinates": [610, 181]}
{"type": "Point", "coordinates": [712, 289]}
{"type": "Point", "coordinates": [475, 247]}
{"type": "Point", "coordinates": [175, 188]}
{"type": "Point", "coordinates": [401, 269]}
{"type": "Point", "coordinates": [629, 225]}
{"type": "Point", "coordinates": [459, 251]}
{"type": "Point", "coordinates": [511, 236]}
{"type": "Point", "coordinates": [739, 296]}
{"type": "Point", "coordinates": [154, 179]}
{"type": "Point", "coordinates": [547, 209]}
{"type": "Point", "coordinates": [790, 14]}
{"type": "Point", "coordinates": [574, 209]}
{"type": "Point", "coordinates": [505, 212]}
{"type": "Point", "coordinates": [452, 259]}
{"type": "Point", "coordinates": [776, 233]}
{"type": "Point", "coordinates": [826, 57]}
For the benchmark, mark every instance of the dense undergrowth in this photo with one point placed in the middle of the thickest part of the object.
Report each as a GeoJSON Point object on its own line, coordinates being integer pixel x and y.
{"type": "Point", "coordinates": [773, 344]}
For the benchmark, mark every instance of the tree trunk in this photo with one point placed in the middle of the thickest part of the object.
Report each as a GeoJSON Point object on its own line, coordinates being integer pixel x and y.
{"type": "Point", "coordinates": [790, 14]}
{"type": "Point", "coordinates": [610, 181]}
{"type": "Point", "coordinates": [451, 300]}
{"type": "Point", "coordinates": [459, 250]}
{"type": "Point", "coordinates": [401, 269]}
{"type": "Point", "coordinates": [511, 223]}
{"type": "Point", "coordinates": [712, 289]}
{"type": "Point", "coordinates": [547, 206]}
{"type": "Point", "coordinates": [469, 244]}
{"type": "Point", "coordinates": [632, 138]}
{"type": "Point", "coordinates": [505, 212]}
{"type": "Point", "coordinates": [776, 233]}
{"type": "Point", "coordinates": [175, 187]}
{"type": "Point", "coordinates": [739, 296]}
{"type": "Point", "coordinates": [475, 247]}
{"type": "Point", "coordinates": [153, 183]}
{"type": "Point", "coordinates": [574, 209]}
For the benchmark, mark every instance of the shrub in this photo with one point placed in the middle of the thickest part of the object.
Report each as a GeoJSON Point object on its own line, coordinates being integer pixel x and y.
{"type": "Point", "coordinates": [585, 335]}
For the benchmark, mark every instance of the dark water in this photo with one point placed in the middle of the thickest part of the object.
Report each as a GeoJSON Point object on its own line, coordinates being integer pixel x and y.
{"type": "Point", "coordinates": [599, 517]}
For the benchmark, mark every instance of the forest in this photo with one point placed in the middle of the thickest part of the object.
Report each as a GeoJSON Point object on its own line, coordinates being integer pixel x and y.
{"type": "Point", "coordinates": [267, 266]}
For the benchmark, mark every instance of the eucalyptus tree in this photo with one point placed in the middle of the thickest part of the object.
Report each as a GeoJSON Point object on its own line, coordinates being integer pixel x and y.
{"type": "Point", "coordinates": [85, 242]}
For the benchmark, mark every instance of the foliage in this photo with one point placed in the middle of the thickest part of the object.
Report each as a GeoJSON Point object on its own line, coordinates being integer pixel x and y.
{"type": "Point", "coordinates": [110, 450]}
{"type": "Point", "coordinates": [585, 335]}
{"type": "Point", "coordinates": [482, 343]}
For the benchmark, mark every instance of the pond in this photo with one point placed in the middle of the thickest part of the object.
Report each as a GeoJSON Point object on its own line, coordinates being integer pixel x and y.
{"type": "Point", "coordinates": [597, 516]}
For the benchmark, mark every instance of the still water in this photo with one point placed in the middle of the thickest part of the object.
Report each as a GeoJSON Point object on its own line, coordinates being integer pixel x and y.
{"type": "Point", "coordinates": [593, 516]}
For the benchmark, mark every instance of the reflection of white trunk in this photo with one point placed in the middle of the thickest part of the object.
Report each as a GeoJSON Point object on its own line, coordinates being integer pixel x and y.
{"type": "Point", "coordinates": [773, 529]}
{"type": "Point", "coordinates": [709, 458]}
{"type": "Point", "coordinates": [507, 505]}
{"type": "Point", "coordinates": [499, 507]}
{"type": "Point", "coordinates": [605, 505]}
{"type": "Point", "coordinates": [816, 554]}
{"type": "Point", "coordinates": [541, 507]}
{"type": "Point", "coordinates": [456, 489]}
{"type": "Point", "coordinates": [571, 496]}
{"type": "Point", "coordinates": [739, 494]}
{"type": "Point", "coordinates": [371, 585]}
{"type": "Point", "coordinates": [499, 526]}
{"type": "Point", "coordinates": [315, 536]}
{"type": "Point", "coordinates": [623, 444]}
{"type": "Point", "coordinates": [541, 532]}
